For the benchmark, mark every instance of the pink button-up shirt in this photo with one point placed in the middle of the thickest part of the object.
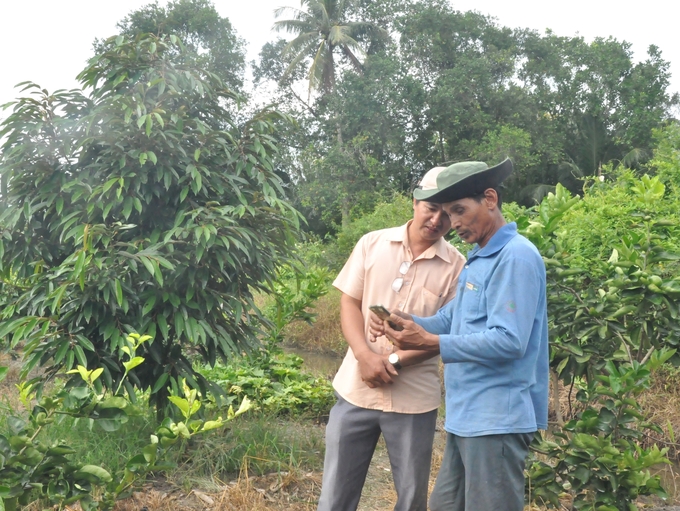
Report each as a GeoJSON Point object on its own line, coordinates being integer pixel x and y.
{"type": "Point", "coordinates": [429, 283]}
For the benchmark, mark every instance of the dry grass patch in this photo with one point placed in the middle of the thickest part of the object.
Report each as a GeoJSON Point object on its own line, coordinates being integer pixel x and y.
{"type": "Point", "coordinates": [271, 492]}
{"type": "Point", "coordinates": [325, 334]}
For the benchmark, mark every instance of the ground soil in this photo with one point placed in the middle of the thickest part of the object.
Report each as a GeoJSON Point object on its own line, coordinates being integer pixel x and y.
{"type": "Point", "coordinates": [273, 492]}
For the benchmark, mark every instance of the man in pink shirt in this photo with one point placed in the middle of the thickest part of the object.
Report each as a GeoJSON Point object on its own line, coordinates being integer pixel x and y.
{"type": "Point", "coordinates": [382, 390]}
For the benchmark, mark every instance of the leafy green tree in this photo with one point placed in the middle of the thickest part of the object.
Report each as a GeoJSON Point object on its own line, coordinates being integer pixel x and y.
{"type": "Point", "coordinates": [141, 206]}
{"type": "Point", "coordinates": [209, 40]}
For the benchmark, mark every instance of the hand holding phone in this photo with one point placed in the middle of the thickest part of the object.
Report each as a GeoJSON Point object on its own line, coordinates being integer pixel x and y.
{"type": "Point", "coordinates": [384, 314]}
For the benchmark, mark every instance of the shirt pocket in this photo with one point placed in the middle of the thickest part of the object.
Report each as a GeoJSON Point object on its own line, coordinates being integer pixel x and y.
{"type": "Point", "coordinates": [472, 299]}
{"type": "Point", "coordinates": [430, 302]}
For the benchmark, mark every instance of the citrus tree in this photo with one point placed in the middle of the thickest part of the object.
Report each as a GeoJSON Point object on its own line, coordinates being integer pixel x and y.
{"type": "Point", "coordinates": [138, 205]}
{"type": "Point", "coordinates": [611, 260]}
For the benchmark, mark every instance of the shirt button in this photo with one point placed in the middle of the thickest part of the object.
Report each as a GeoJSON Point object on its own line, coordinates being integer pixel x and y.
{"type": "Point", "coordinates": [467, 266]}
{"type": "Point", "coordinates": [401, 305]}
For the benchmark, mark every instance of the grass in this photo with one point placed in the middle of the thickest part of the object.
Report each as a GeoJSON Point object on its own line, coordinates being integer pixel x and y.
{"type": "Point", "coordinates": [257, 444]}
{"type": "Point", "coordinates": [95, 446]}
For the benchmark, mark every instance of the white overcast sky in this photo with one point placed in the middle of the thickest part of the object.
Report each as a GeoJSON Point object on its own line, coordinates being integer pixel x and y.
{"type": "Point", "coordinates": [49, 41]}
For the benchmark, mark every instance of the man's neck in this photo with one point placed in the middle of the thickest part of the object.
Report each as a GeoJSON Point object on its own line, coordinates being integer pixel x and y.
{"type": "Point", "coordinates": [416, 243]}
{"type": "Point", "coordinates": [498, 223]}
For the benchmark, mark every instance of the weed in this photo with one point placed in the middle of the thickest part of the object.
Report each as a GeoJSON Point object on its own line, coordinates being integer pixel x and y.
{"type": "Point", "coordinates": [275, 383]}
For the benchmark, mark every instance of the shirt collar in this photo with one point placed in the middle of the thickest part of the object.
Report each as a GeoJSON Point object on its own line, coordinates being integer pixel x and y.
{"type": "Point", "coordinates": [496, 243]}
{"type": "Point", "coordinates": [438, 248]}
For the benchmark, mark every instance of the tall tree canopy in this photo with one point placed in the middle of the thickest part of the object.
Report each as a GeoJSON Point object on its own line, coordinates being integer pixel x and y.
{"type": "Point", "coordinates": [210, 40]}
{"type": "Point", "coordinates": [452, 86]}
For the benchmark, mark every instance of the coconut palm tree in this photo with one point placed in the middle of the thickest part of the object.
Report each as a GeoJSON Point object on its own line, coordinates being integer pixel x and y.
{"type": "Point", "coordinates": [323, 29]}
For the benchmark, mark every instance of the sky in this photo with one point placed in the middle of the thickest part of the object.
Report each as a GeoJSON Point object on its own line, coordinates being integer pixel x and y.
{"type": "Point", "coordinates": [49, 41]}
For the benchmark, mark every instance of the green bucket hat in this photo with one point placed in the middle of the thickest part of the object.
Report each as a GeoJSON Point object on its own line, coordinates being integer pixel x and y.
{"type": "Point", "coordinates": [464, 179]}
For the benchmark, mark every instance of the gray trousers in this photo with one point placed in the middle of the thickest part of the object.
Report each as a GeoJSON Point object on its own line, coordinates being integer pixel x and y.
{"type": "Point", "coordinates": [351, 436]}
{"type": "Point", "coordinates": [484, 473]}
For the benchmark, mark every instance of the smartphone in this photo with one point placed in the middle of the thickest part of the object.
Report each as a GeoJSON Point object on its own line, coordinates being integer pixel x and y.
{"type": "Point", "coordinates": [384, 314]}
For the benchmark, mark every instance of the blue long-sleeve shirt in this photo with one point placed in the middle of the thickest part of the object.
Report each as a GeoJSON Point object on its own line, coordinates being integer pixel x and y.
{"type": "Point", "coordinates": [493, 339]}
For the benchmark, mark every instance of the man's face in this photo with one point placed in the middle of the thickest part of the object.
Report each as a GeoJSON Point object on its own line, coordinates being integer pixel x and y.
{"type": "Point", "coordinates": [473, 221]}
{"type": "Point", "coordinates": [430, 220]}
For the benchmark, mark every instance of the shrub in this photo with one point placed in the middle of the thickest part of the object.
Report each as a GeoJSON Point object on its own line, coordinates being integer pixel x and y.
{"type": "Point", "coordinates": [142, 204]}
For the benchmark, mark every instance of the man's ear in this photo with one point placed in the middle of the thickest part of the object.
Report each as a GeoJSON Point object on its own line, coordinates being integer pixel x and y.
{"type": "Point", "coordinates": [491, 198]}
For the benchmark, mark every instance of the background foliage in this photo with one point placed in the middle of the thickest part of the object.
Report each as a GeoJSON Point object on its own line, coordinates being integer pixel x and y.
{"type": "Point", "coordinates": [161, 200]}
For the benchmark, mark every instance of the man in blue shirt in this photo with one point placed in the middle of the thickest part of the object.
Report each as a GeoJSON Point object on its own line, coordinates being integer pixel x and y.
{"type": "Point", "coordinates": [493, 340]}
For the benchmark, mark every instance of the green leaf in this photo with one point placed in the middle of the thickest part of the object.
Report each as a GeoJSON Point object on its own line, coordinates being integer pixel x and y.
{"type": "Point", "coordinates": [180, 403]}
{"type": "Point", "coordinates": [80, 262]}
{"type": "Point", "coordinates": [160, 382]}
{"type": "Point", "coordinates": [85, 343]}
{"type": "Point", "coordinates": [149, 304]}
{"type": "Point", "coordinates": [183, 193]}
{"type": "Point", "coordinates": [98, 473]}
{"type": "Point", "coordinates": [113, 402]}
{"type": "Point", "coordinates": [162, 325]}
{"type": "Point", "coordinates": [133, 363]}
{"type": "Point", "coordinates": [96, 374]}
{"type": "Point", "coordinates": [119, 293]}
{"type": "Point", "coordinates": [147, 264]}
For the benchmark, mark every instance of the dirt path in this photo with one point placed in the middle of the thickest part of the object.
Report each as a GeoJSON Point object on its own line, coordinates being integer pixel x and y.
{"type": "Point", "coordinates": [379, 494]}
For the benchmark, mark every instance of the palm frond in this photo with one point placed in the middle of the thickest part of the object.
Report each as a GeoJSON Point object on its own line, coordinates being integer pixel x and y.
{"type": "Point", "coordinates": [316, 69]}
{"type": "Point", "coordinates": [297, 13]}
{"type": "Point", "coordinates": [300, 41]}
{"type": "Point", "coordinates": [301, 55]}
{"type": "Point", "coordinates": [293, 26]}
{"type": "Point", "coordinates": [352, 58]}
{"type": "Point", "coordinates": [360, 28]}
{"type": "Point", "coordinates": [321, 27]}
{"type": "Point", "coordinates": [338, 34]}
{"type": "Point", "coordinates": [319, 12]}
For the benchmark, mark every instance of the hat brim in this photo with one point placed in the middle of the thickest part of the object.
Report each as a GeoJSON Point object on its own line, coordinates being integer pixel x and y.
{"type": "Point", "coordinates": [470, 186]}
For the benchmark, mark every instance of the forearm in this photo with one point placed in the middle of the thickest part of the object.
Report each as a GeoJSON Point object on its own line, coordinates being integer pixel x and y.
{"type": "Point", "coordinates": [352, 323]}
{"type": "Point", "coordinates": [486, 346]}
{"type": "Point", "coordinates": [413, 357]}
{"type": "Point", "coordinates": [438, 324]}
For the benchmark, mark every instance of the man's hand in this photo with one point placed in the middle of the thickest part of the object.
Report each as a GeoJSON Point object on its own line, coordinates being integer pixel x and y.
{"type": "Point", "coordinates": [376, 326]}
{"type": "Point", "coordinates": [412, 337]}
{"type": "Point", "coordinates": [375, 369]}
